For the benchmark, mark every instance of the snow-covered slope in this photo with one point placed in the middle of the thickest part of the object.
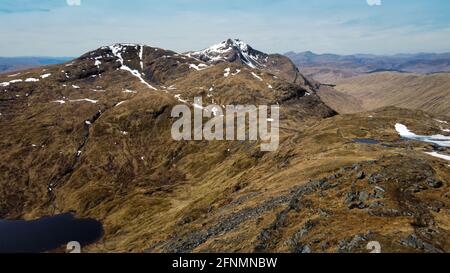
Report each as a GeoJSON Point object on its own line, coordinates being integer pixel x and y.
{"type": "Point", "coordinates": [232, 50]}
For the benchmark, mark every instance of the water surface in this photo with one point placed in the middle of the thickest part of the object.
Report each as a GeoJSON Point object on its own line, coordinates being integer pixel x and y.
{"type": "Point", "coordinates": [47, 233]}
{"type": "Point", "coordinates": [366, 141]}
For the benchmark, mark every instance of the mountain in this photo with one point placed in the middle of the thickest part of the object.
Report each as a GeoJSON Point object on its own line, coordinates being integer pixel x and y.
{"type": "Point", "coordinates": [328, 68]}
{"type": "Point", "coordinates": [93, 136]}
{"type": "Point", "coordinates": [237, 51]}
{"type": "Point", "coordinates": [425, 92]}
{"type": "Point", "coordinates": [20, 63]}
{"type": "Point", "coordinates": [232, 50]}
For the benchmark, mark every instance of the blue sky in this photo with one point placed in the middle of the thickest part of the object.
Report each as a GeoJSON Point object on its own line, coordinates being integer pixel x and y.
{"type": "Point", "coordinates": [55, 28]}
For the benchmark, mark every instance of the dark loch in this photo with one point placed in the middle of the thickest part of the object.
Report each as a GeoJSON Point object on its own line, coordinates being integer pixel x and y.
{"type": "Point", "coordinates": [366, 141]}
{"type": "Point", "coordinates": [47, 233]}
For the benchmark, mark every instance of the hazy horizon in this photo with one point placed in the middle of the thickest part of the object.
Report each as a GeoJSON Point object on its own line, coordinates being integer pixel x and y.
{"type": "Point", "coordinates": [297, 52]}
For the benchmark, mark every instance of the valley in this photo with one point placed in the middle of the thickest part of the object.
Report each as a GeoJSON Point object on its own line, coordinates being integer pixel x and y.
{"type": "Point", "coordinates": [330, 68]}
{"type": "Point", "coordinates": [427, 92]}
{"type": "Point", "coordinates": [364, 82]}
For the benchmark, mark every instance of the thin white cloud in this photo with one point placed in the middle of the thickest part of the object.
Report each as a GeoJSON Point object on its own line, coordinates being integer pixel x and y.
{"type": "Point", "coordinates": [73, 3]}
{"type": "Point", "coordinates": [374, 2]}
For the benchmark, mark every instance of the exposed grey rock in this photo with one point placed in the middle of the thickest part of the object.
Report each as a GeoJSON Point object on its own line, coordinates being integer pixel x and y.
{"type": "Point", "coordinates": [375, 179]}
{"type": "Point", "coordinates": [378, 193]}
{"type": "Point", "coordinates": [414, 242]}
{"type": "Point", "coordinates": [333, 176]}
{"type": "Point", "coordinates": [386, 213]}
{"type": "Point", "coordinates": [376, 204]}
{"type": "Point", "coordinates": [306, 249]}
{"type": "Point", "coordinates": [363, 196]}
{"type": "Point", "coordinates": [295, 204]}
{"type": "Point", "coordinates": [351, 197]}
{"type": "Point", "coordinates": [324, 213]}
{"type": "Point", "coordinates": [360, 175]}
{"type": "Point", "coordinates": [186, 243]}
{"type": "Point", "coordinates": [295, 242]}
{"type": "Point", "coordinates": [356, 200]}
{"type": "Point", "coordinates": [436, 184]}
{"type": "Point", "coordinates": [351, 244]}
{"type": "Point", "coordinates": [419, 188]}
{"type": "Point", "coordinates": [324, 246]}
{"type": "Point", "coordinates": [357, 205]}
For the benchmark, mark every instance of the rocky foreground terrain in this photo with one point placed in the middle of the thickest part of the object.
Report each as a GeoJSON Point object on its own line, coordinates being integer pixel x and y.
{"type": "Point", "coordinates": [93, 136]}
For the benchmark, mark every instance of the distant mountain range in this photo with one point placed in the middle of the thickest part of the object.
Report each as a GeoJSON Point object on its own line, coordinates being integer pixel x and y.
{"type": "Point", "coordinates": [8, 64]}
{"type": "Point", "coordinates": [328, 68]}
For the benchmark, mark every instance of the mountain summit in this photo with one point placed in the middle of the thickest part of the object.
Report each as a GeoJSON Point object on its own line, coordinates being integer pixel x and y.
{"type": "Point", "coordinates": [237, 51]}
{"type": "Point", "coordinates": [232, 50]}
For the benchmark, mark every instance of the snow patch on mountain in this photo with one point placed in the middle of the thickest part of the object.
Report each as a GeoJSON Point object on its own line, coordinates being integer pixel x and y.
{"type": "Point", "coordinates": [440, 140]}
{"type": "Point", "coordinates": [85, 100]}
{"type": "Point", "coordinates": [226, 72]}
{"type": "Point", "coordinates": [438, 155]}
{"type": "Point", "coordinates": [141, 56]}
{"type": "Point", "coordinates": [5, 84]}
{"type": "Point", "coordinates": [441, 121]}
{"type": "Point", "coordinates": [256, 76]}
{"type": "Point", "coordinates": [198, 67]}
{"type": "Point", "coordinates": [31, 80]}
{"type": "Point", "coordinates": [178, 97]}
{"type": "Point", "coordinates": [117, 51]}
{"type": "Point", "coordinates": [120, 103]}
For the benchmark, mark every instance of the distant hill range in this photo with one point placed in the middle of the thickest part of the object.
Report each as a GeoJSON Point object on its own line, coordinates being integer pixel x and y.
{"type": "Point", "coordinates": [328, 68]}
{"type": "Point", "coordinates": [8, 64]}
{"type": "Point", "coordinates": [372, 91]}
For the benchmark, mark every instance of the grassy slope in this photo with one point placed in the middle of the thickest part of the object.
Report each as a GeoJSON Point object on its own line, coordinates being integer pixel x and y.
{"type": "Point", "coordinates": [426, 92]}
{"type": "Point", "coordinates": [339, 101]}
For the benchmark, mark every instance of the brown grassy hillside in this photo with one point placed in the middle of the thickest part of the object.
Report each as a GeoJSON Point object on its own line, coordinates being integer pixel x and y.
{"type": "Point", "coordinates": [94, 139]}
{"type": "Point", "coordinates": [430, 93]}
{"type": "Point", "coordinates": [339, 101]}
